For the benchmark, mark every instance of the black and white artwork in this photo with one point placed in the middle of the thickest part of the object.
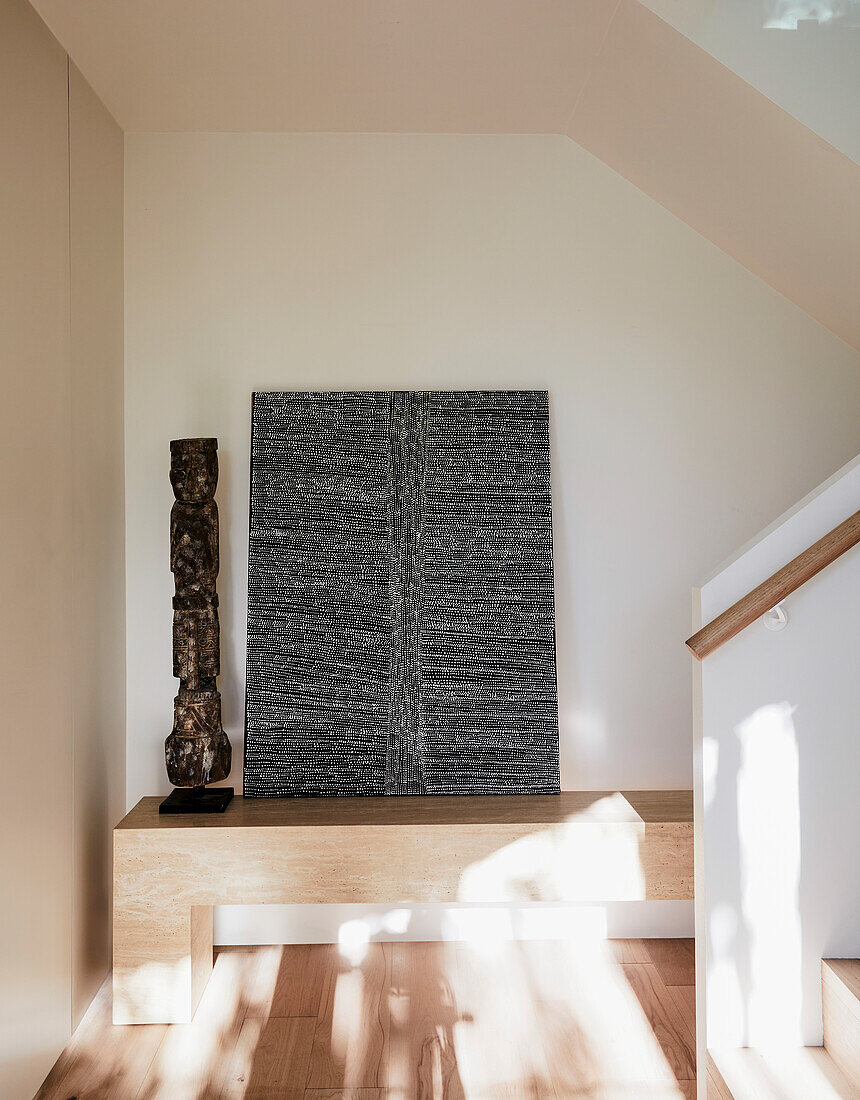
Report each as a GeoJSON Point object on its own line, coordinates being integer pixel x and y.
{"type": "Point", "coordinates": [401, 628]}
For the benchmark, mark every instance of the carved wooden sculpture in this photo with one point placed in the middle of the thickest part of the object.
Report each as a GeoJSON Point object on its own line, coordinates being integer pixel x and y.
{"type": "Point", "coordinates": [198, 750]}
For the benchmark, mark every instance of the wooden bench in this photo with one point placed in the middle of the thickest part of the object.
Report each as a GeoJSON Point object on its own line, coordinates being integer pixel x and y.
{"type": "Point", "coordinates": [170, 870]}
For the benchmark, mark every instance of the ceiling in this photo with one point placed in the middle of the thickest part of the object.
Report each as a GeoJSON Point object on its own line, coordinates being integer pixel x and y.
{"type": "Point", "coordinates": [715, 117]}
{"type": "Point", "coordinates": [458, 66]}
{"type": "Point", "coordinates": [729, 162]}
{"type": "Point", "coordinates": [802, 54]}
{"type": "Point", "coordinates": [450, 66]}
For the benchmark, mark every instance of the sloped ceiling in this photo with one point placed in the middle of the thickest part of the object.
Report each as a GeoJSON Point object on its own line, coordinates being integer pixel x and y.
{"type": "Point", "coordinates": [611, 74]}
{"type": "Point", "coordinates": [450, 66]}
{"type": "Point", "coordinates": [802, 54]}
{"type": "Point", "coordinates": [729, 162]}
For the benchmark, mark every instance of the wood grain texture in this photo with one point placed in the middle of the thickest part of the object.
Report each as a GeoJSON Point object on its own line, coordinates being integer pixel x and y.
{"type": "Point", "coordinates": [198, 1058]}
{"type": "Point", "coordinates": [665, 1019]}
{"type": "Point", "coordinates": [170, 871]}
{"type": "Point", "coordinates": [684, 997]}
{"type": "Point", "coordinates": [844, 975]}
{"type": "Point", "coordinates": [424, 1013]}
{"type": "Point", "coordinates": [840, 1002]}
{"type": "Point", "coordinates": [304, 973]}
{"type": "Point", "coordinates": [543, 1020]}
{"type": "Point", "coordinates": [674, 960]}
{"type": "Point", "coordinates": [630, 951]}
{"type": "Point", "coordinates": [346, 1094]}
{"type": "Point", "coordinates": [551, 809]}
{"type": "Point", "coordinates": [716, 1087]}
{"type": "Point", "coordinates": [769, 593]}
{"type": "Point", "coordinates": [103, 1062]}
{"type": "Point", "coordinates": [350, 1044]}
{"type": "Point", "coordinates": [281, 1053]}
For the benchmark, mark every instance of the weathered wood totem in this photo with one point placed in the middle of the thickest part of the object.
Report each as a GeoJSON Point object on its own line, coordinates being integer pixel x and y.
{"type": "Point", "coordinates": [197, 750]}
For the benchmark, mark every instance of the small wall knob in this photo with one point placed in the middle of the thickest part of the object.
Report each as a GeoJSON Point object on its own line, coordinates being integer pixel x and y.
{"type": "Point", "coordinates": [776, 618]}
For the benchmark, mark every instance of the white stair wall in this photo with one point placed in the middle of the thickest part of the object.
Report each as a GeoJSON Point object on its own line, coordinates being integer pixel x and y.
{"type": "Point", "coordinates": [775, 776]}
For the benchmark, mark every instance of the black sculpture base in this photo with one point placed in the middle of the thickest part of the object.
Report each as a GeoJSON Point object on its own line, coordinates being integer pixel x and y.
{"type": "Point", "coordinates": [197, 800]}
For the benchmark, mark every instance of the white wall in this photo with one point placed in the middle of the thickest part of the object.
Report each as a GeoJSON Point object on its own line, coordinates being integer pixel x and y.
{"type": "Point", "coordinates": [780, 760]}
{"type": "Point", "coordinates": [690, 402]}
{"type": "Point", "coordinates": [62, 584]}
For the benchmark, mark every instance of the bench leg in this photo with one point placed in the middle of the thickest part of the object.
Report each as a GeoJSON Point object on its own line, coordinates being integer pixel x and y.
{"type": "Point", "coordinates": [161, 963]}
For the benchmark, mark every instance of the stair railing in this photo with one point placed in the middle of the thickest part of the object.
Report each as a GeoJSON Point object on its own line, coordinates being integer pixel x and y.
{"type": "Point", "coordinates": [770, 592]}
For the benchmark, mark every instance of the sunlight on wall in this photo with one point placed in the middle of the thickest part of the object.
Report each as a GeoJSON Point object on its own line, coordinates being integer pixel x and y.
{"type": "Point", "coordinates": [769, 837]}
{"type": "Point", "coordinates": [484, 925]}
{"type": "Point", "coordinates": [353, 936]}
{"type": "Point", "coordinates": [480, 925]}
{"type": "Point", "coordinates": [724, 988]}
{"type": "Point", "coordinates": [754, 976]}
{"type": "Point", "coordinates": [710, 768]}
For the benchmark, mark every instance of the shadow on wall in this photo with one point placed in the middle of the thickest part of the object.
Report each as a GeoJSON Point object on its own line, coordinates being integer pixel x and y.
{"type": "Point", "coordinates": [232, 680]}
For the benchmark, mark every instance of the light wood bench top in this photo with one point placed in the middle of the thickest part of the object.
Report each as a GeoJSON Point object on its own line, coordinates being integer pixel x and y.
{"type": "Point", "coordinates": [549, 809]}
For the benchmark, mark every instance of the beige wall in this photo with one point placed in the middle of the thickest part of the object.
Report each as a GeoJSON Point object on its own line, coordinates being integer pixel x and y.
{"type": "Point", "coordinates": [61, 552]}
{"type": "Point", "coordinates": [98, 528]}
{"type": "Point", "coordinates": [691, 403]}
{"type": "Point", "coordinates": [35, 570]}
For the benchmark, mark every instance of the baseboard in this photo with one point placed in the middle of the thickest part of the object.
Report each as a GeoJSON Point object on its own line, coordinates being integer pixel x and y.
{"type": "Point", "coordinates": [263, 924]}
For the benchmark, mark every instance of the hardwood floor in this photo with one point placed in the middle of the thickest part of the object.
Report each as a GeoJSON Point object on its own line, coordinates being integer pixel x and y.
{"type": "Point", "coordinates": [561, 1020]}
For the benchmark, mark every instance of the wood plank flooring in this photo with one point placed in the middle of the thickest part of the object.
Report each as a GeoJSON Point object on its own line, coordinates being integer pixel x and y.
{"type": "Point", "coordinates": [483, 1020]}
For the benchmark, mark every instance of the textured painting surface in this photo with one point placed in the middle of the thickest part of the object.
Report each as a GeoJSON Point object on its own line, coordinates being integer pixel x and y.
{"type": "Point", "coordinates": [400, 607]}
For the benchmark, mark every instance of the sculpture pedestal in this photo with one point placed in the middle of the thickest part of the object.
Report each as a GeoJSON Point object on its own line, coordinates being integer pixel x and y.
{"type": "Point", "coordinates": [192, 800]}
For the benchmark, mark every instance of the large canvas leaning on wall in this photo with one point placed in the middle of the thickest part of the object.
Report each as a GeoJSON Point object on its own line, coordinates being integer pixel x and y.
{"type": "Point", "coordinates": [401, 629]}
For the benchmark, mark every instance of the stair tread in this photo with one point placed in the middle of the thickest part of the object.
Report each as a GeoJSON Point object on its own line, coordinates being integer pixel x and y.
{"type": "Point", "coordinates": [804, 1073]}
{"type": "Point", "coordinates": [840, 1010]}
{"type": "Point", "coordinates": [846, 971]}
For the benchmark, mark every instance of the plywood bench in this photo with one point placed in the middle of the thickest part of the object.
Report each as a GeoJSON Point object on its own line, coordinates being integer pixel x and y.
{"type": "Point", "coordinates": [170, 870]}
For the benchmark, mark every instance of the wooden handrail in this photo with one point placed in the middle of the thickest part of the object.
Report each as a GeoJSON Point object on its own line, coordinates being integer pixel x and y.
{"type": "Point", "coordinates": [775, 588]}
